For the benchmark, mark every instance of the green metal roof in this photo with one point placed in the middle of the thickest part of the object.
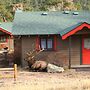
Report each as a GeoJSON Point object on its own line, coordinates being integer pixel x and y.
{"type": "Point", "coordinates": [6, 26]}
{"type": "Point", "coordinates": [33, 23]}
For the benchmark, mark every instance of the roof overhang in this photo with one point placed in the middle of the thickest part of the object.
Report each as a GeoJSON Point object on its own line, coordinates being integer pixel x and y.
{"type": "Point", "coordinates": [5, 31]}
{"type": "Point", "coordinates": [73, 31]}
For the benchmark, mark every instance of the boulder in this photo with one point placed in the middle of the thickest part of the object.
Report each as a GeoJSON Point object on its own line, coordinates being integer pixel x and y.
{"type": "Point", "coordinates": [51, 68]}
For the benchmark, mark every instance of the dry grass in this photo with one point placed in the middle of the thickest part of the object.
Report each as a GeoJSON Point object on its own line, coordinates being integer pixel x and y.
{"type": "Point", "coordinates": [48, 81]}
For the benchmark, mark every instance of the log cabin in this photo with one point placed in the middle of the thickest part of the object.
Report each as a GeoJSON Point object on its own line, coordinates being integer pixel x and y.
{"type": "Point", "coordinates": [6, 44]}
{"type": "Point", "coordinates": [64, 36]}
{"type": "Point", "coordinates": [6, 37]}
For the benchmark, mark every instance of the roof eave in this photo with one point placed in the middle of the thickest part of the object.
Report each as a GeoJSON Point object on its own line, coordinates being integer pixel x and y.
{"type": "Point", "coordinates": [73, 31]}
{"type": "Point", "coordinates": [5, 31]}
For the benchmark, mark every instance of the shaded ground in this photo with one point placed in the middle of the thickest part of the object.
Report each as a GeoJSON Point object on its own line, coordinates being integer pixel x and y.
{"type": "Point", "coordinates": [69, 80]}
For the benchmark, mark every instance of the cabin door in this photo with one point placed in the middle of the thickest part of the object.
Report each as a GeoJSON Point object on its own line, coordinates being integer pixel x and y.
{"type": "Point", "coordinates": [86, 50]}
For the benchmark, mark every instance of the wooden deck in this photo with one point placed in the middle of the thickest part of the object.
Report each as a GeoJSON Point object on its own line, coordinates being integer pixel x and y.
{"type": "Point", "coordinates": [80, 66]}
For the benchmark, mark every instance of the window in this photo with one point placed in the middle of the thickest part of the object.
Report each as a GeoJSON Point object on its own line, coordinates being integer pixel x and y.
{"type": "Point", "coordinates": [2, 39]}
{"type": "Point", "coordinates": [50, 43]}
{"type": "Point", "coordinates": [87, 43]}
{"type": "Point", "coordinates": [46, 43]}
{"type": "Point", "coordinates": [43, 43]}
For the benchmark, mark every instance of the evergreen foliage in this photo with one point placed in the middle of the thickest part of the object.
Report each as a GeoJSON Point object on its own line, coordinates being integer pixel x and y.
{"type": "Point", "coordinates": [38, 5]}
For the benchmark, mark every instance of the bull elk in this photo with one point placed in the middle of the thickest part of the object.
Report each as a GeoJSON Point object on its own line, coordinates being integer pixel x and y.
{"type": "Point", "coordinates": [34, 64]}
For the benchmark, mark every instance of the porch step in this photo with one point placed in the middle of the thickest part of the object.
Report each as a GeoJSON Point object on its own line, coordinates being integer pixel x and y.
{"type": "Point", "coordinates": [81, 67]}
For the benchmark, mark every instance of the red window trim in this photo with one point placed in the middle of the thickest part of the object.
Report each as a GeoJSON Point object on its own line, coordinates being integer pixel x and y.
{"type": "Point", "coordinates": [6, 38]}
{"type": "Point", "coordinates": [55, 42]}
{"type": "Point", "coordinates": [5, 31]}
{"type": "Point", "coordinates": [37, 43]}
{"type": "Point", "coordinates": [46, 38]}
{"type": "Point", "coordinates": [54, 45]}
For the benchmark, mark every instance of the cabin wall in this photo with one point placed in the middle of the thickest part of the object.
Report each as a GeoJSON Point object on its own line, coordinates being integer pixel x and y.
{"type": "Point", "coordinates": [10, 44]}
{"type": "Point", "coordinates": [7, 61]}
{"type": "Point", "coordinates": [75, 50]}
{"type": "Point", "coordinates": [59, 57]}
{"type": "Point", "coordinates": [28, 45]}
{"type": "Point", "coordinates": [17, 50]}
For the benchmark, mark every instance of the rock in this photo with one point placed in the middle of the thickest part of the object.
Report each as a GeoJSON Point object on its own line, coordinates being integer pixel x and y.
{"type": "Point", "coordinates": [54, 69]}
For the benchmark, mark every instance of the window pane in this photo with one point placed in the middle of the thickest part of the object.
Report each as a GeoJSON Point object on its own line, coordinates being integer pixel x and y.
{"type": "Point", "coordinates": [87, 43]}
{"type": "Point", "coordinates": [49, 43]}
{"type": "Point", "coordinates": [2, 39]}
{"type": "Point", "coordinates": [43, 43]}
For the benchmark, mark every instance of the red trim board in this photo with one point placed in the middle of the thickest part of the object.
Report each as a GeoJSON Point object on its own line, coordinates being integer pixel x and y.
{"type": "Point", "coordinates": [55, 42]}
{"type": "Point", "coordinates": [79, 28]}
{"type": "Point", "coordinates": [5, 31]}
{"type": "Point", "coordinates": [37, 43]}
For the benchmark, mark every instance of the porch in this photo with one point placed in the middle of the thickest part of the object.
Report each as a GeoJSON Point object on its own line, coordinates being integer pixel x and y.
{"type": "Point", "coordinates": [6, 45]}
{"type": "Point", "coordinates": [80, 66]}
{"type": "Point", "coordinates": [79, 51]}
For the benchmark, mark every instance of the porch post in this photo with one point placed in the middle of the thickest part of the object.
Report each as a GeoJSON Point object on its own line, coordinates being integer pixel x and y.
{"type": "Point", "coordinates": [69, 52]}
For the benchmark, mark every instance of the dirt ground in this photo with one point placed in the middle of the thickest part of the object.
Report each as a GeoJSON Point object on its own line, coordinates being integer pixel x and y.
{"type": "Point", "coordinates": [68, 80]}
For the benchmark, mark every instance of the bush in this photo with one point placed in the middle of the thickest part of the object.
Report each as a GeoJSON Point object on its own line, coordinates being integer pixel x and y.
{"type": "Point", "coordinates": [53, 2]}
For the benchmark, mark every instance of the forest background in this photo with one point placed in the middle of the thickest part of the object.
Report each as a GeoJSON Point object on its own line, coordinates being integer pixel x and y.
{"type": "Point", "coordinates": [7, 6]}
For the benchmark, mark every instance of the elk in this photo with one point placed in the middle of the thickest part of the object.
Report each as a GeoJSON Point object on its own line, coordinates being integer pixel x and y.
{"type": "Point", "coordinates": [34, 64]}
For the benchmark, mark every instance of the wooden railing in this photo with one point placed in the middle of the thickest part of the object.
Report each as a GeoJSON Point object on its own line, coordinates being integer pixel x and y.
{"type": "Point", "coordinates": [9, 70]}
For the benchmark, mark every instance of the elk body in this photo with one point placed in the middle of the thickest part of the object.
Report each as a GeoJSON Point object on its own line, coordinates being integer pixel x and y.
{"type": "Point", "coordinates": [34, 64]}
{"type": "Point", "coordinates": [39, 65]}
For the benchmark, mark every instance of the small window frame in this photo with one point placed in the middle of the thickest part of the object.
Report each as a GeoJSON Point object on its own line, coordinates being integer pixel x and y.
{"type": "Point", "coordinates": [47, 38]}
{"type": "Point", "coordinates": [3, 39]}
